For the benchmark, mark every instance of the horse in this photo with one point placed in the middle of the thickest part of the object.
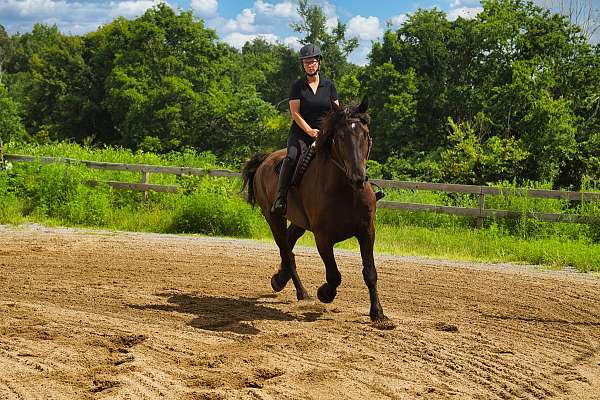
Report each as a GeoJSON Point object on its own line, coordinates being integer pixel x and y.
{"type": "Point", "coordinates": [333, 200]}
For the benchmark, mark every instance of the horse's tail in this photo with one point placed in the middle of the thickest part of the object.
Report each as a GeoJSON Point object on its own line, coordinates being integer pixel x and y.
{"type": "Point", "coordinates": [248, 175]}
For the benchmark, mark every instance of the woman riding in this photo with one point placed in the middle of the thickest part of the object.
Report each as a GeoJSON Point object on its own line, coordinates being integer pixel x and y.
{"type": "Point", "coordinates": [310, 99]}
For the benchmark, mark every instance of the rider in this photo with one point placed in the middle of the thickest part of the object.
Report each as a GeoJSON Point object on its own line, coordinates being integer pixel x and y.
{"type": "Point", "coordinates": [310, 99]}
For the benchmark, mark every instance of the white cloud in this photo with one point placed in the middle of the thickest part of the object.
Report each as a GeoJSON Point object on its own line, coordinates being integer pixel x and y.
{"type": "Point", "coordinates": [365, 28]}
{"type": "Point", "coordinates": [293, 42]}
{"type": "Point", "coordinates": [282, 10]}
{"type": "Point", "coordinates": [360, 55]}
{"type": "Point", "coordinates": [205, 8]}
{"type": "Point", "coordinates": [238, 40]}
{"type": "Point", "coordinates": [464, 12]}
{"type": "Point", "coordinates": [71, 17]}
{"type": "Point", "coordinates": [328, 9]}
{"type": "Point", "coordinates": [243, 22]}
{"type": "Point", "coordinates": [130, 8]}
{"type": "Point", "coordinates": [331, 23]}
{"type": "Point", "coordinates": [398, 20]}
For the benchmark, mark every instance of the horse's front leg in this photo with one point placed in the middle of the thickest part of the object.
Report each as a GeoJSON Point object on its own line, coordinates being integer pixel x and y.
{"type": "Point", "coordinates": [366, 240]}
{"type": "Point", "coordinates": [326, 293]}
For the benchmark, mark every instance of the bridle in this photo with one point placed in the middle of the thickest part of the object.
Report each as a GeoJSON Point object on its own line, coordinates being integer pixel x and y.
{"type": "Point", "coordinates": [341, 165]}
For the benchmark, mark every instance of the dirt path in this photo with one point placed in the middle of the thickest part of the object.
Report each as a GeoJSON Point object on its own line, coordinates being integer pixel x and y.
{"type": "Point", "coordinates": [92, 315]}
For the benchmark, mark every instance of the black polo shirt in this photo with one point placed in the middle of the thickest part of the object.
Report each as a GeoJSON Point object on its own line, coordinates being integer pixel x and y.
{"type": "Point", "coordinates": [313, 106]}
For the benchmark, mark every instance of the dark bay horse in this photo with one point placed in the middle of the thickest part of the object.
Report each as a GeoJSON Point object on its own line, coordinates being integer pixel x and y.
{"type": "Point", "coordinates": [333, 201]}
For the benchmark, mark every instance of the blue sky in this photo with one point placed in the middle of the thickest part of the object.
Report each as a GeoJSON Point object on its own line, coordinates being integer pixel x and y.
{"type": "Point", "coordinates": [235, 21]}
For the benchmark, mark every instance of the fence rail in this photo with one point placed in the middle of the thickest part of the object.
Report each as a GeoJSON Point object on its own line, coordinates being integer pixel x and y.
{"type": "Point", "coordinates": [480, 213]}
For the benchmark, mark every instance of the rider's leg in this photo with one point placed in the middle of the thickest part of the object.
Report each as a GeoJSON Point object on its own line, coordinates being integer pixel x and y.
{"type": "Point", "coordinates": [285, 173]}
{"type": "Point", "coordinates": [285, 177]}
{"type": "Point", "coordinates": [297, 140]}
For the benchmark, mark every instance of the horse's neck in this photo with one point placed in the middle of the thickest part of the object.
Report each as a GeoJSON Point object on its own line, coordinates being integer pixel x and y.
{"type": "Point", "coordinates": [328, 172]}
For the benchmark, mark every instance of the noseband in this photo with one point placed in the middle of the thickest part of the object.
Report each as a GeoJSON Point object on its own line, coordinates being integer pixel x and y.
{"type": "Point", "coordinates": [341, 165]}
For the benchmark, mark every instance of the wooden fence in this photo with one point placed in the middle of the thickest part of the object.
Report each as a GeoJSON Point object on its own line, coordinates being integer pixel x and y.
{"type": "Point", "coordinates": [479, 212]}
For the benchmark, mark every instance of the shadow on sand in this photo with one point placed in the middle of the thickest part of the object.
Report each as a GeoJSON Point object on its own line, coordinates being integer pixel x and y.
{"type": "Point", "coordinates": [223, 314]}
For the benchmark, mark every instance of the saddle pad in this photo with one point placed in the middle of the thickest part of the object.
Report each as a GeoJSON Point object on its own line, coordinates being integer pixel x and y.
{"type": "Point", "coordinates": [305, 158]}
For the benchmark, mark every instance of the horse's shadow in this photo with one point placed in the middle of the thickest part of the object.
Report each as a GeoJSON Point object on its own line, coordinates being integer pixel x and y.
{"type": "Point", "coordinates": [221, 314]}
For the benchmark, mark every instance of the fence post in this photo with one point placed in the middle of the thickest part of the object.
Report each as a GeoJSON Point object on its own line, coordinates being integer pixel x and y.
{"type": "Point", "coordinates": [481, 207]}
{"type": "Point", "coordinates": [145, 179]}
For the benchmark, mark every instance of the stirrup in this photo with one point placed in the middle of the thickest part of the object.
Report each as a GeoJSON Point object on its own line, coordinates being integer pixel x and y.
{"type": "Point", "coordinates": [279, 206]}
{"type": "Point", "coordinates": [380, 194]}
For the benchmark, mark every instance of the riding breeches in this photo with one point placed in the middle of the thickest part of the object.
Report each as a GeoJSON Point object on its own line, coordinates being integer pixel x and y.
{"type": "Point", "coordinates": [297, 142]}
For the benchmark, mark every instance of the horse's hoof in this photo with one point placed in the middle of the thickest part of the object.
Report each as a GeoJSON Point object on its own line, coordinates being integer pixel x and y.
{"type": "Point", "coordinates": [325, 294]}
{"type": "Point", "coordinates": [383, 323]}
{"type": "Point", "coordinates": [276, 285]}
{"type": "Point", "coordinates": [302, 296]}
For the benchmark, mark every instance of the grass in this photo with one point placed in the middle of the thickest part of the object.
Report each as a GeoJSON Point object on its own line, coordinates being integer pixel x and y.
{"type": "Point", "coordinates": [475, 245]}
{"type": "Point", "coordinates": [57, 195]}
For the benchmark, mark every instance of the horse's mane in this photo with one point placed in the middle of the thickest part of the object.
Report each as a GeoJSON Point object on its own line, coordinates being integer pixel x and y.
{"type": "Point", "coordinates": [331, 120]}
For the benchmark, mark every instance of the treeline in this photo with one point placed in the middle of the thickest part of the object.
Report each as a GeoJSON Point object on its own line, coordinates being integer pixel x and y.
{"type": "Point", "coordinates": [512, 95]}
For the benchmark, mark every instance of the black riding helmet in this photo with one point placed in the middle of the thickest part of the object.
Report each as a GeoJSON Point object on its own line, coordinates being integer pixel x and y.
{"type": "Point", "coordinates": [309, 51]}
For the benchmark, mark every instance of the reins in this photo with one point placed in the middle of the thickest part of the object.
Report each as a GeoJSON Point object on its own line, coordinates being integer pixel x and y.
{"type": "Point", "coordinates": [341, 166]}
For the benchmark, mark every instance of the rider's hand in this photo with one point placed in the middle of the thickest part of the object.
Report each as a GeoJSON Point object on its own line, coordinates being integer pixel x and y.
{"type": "Point", "coordinates": [314, 133]}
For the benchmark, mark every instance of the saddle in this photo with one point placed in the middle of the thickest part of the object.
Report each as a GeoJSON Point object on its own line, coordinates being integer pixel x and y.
{"type": "Point", "coordinates": [307, 153]}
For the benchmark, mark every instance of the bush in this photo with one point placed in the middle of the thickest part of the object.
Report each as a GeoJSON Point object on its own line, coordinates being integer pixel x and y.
{"type": "Point", "coordinates": [212, 214]}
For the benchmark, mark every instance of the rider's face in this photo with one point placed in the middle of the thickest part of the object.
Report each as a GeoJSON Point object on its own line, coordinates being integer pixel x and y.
{"type": "Point", "coordinates": [310, 64]}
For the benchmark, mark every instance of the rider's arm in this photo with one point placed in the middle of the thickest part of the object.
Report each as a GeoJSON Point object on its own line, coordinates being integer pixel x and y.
{"type": "Point", "coordinates": [334, 95]}
{"type": "Point", "coordinates": [295, 110]}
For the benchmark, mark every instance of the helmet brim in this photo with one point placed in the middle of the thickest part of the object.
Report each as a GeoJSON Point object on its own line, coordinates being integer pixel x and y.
{"type": "Point", "coordinates": [310, 56]}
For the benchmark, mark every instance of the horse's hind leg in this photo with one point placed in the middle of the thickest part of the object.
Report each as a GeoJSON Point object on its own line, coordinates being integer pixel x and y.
{"type": "Point", "coordinates": [293, 234]}
{"type": "Point", "coordinates": [326, 293]}
{"type": "Point", "coordinates": [286, 239]}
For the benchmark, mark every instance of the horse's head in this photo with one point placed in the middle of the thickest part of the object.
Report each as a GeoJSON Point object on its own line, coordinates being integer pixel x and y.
{"type": "Point", "coordinates": [346, 140]}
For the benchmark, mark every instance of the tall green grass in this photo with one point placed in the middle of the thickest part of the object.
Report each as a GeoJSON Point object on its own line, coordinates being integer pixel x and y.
{"type": "Point", "coordinates": [56, 194]}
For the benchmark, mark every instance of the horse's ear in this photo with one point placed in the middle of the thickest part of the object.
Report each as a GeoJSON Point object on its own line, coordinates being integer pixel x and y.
{"type": "Point", "coordinates": [364, 105]}
{"type": "Point", "coordinates": [334, 106]}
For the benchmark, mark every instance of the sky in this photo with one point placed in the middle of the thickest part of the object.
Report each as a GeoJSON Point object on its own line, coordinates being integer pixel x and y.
{"type": "Point", "coordinates": [234, 21]}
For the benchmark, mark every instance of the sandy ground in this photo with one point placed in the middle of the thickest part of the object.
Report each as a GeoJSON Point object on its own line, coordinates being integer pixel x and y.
{"type": "Point", "coordinates": [101, 315]}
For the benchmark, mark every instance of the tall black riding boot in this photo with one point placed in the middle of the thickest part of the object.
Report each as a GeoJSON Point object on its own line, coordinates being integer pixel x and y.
{"type": "Point", "coordinates": [285, 177]}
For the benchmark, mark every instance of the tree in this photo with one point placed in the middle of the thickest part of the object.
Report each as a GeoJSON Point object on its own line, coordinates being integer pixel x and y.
{"type": "Point", "coordinates": [421, 46]}
{"type": "Point", "coordinates": [271, 68]}
{"type": "Point", "coordinates": [334, 45]}
{"type": "Point", "coordinates": [149, 74]}
{"type": "Point", "coordinates": [583, 13]}
{"type": "Point", "coordinates": [50, 78]}
{"type": "Point", "coordinates": [393, 109]}
{"type": "Point", "coordinates": [11, 127]}
{"type": "Point", "coordinates": [5, 47]}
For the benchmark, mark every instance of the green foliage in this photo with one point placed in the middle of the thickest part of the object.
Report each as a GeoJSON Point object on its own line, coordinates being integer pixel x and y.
{"type": "Point", "coordinates": [57, 194]}
{"type": "Point", "coordinates": [236, 123]}
{"type": "Point", "coordinates": [209, 211]}
{"type": "Point", "coordinates": [11, 127]}
{"type": "Point", "coordinates": [393, 108]}
{"type": "Point", "coordinates": [426, 166]}
{"type": "Point", "coordinates": [528, 73]}
{"type": "Point", "coordinates": [334, 45]}
{"type": "Point", "coordinates": [475, 160]}
{"type": "Point", "coordinates": [348, 86]}
{"type": "Point", "coordinates": [521, 85]}
{"type": "Point", "coordinates": [271, 68]}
